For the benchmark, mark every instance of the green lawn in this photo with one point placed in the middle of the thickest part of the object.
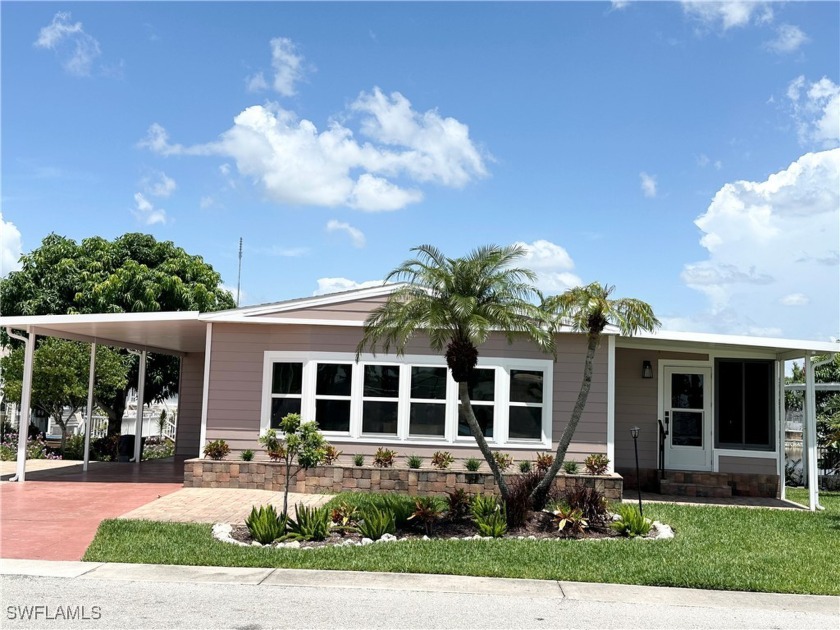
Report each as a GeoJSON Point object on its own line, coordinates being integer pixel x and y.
{"type": "Point", "coordinates": [787, 551]}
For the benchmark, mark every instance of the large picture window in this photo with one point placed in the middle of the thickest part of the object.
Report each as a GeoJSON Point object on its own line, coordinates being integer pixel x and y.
{"type": "Point", "coordinates": [744, 404]}
{"type": "Point", "coordinates": [410, 399]}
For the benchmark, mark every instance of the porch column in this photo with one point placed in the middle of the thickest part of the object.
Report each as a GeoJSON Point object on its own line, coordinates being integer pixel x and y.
{"type": "Point", "coordinates": [810, 445]}
{"type": "Point", "coordinates": [781, 422]}
{"type": "Point", "coordinates": [25, 400]}
{"type": "Point", "coordinates": [138, 423]}
{"type": "Point", "coordinates": [91, 375]}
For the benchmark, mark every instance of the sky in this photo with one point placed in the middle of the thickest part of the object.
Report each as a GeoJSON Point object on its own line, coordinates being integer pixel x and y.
{"type": "Point", "coordinates": [685, 152]}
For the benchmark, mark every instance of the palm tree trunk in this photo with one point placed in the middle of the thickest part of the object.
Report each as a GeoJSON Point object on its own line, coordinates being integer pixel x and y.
{"type": "Point", "coordinates": [466, 409]}
{"type": "Point", "coordinates": [538, 496]}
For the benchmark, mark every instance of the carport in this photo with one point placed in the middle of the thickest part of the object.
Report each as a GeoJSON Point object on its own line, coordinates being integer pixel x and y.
{"type": "Point", "coordinates": [175, 333]}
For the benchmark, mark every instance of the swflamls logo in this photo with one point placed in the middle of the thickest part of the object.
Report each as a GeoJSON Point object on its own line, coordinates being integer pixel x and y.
{"type": "Point", "coordinates": [53, 613]}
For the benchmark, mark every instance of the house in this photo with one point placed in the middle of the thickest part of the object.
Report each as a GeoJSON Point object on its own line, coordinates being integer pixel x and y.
{"type": "Point", "coordinates": [709, 408]}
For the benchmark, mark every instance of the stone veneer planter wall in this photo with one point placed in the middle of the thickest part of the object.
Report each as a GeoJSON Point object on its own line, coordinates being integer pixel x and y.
{"type": "Point", "coordinates": [265, 475]}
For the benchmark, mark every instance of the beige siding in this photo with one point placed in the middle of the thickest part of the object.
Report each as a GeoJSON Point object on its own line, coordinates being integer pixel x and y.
{"type": "Point", "coordinates": [237, 363]}
{"type": "Point", "coordinates": [357, 310]}
{"type": "Point", "coordinates": [189, 405]}
{"type": "Point", "coordinates": [636, 404]}
{"type": "Point", "coordinates": [749, 465]}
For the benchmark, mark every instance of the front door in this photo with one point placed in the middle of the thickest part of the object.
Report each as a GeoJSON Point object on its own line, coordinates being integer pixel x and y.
{"type": "Point", "coordinates": [687, 416]}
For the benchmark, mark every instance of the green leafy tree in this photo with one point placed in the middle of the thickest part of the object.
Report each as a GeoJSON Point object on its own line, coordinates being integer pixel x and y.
{"type": "Point", "coordinates": [458, 302]}
{"type": "Point", "coordinates": [827, 403]}
{"type": "Point", "coordinates": [301, 445]}
{"type": "Point", "coordinates": [589, 310]}
{"type": "Point", "coordinates": [132, 273]}
{"type": "Point", "coordinates": [60, 377]}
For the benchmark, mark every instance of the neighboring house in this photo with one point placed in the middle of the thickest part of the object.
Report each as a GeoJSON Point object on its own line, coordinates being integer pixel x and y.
{"type": "Point", "coordinates": [719, 398]}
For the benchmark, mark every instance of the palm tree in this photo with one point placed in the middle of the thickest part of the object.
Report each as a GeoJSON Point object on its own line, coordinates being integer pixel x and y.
{"type": "Point", "coordinates": [458, 302]}
{"type": "Point", "coordinates": [589, 309]}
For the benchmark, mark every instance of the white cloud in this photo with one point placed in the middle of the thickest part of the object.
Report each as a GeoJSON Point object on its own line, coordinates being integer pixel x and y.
{"type": "Point", "coordinates": [161, 186]}
{"type": "Point", "coordinates": [794, 299]}
{"type": "Point", "coordinates": [552, 264]}
{"type": "Point", "coordinates": [788, 39]}
{"type": "Point", "coordinates": [355, 234]}
{"type": "Point", "coordinates": [334, 285]}
{"type": "Point", "coordinates": [243, 297]}
{"type": "Point", "coordinates": [10, 247]}
{"type": "Point", "coordinates": [648, 184]}
{"type": "Point", "coordinates": [772, 242]}
{"type": "Point", "coordinates": [296, 164]}
{"type": "Point", "coordinates": [815, 108]}
{"type": "Point", "coordinates": [618, 5]}
{"type": "Point", "coordinates": [76, 49]}
{"type": "Point", "coordinates": [729, 14]}
{"type": "Point", "coordinates": [288, 68]}
{"type": "Point", "coordinates": [206, 202]}
{"type": "Point", "coordinates": [282, 252]}
{"type": "Point", "coordinates": [145, 212]}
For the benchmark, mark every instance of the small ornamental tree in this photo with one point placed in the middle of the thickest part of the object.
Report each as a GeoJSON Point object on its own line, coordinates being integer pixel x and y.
{"type": "Point", "coordinates": [301, 445]}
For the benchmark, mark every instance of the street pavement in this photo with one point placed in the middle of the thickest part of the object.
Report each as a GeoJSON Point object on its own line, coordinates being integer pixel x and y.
{"type": "Point", "coordinates": [41, 594]}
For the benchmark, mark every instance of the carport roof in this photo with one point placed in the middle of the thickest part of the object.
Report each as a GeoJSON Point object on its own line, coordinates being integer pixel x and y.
{"type": "Point", "coordinates": [168, 332]}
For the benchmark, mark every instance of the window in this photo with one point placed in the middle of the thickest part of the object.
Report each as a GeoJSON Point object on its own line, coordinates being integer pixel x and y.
{"type": "Point", "coordinates": [482, 390]}
{"type": "Point", "coordinates": [332, 396]}
{"type": "Point", "coordinates": [525, 414]}
{"type": "Point", "coordinates": [408, 398]}
{"type": "Point", "coordinates": [380, 399]}
{"type": "Point", "coordinates": [744, 404]}
{"type": "Point", "coordinates": [286, 391]}
{"type": "Point", "coordinates": [428, 401]}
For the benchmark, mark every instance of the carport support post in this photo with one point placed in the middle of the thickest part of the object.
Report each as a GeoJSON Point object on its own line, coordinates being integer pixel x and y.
{"type": "Point", "coordinates": [89, 404]}
{"type": "Point", "coordinates": [811, 433]}
{"type": "Point", "coordinates": [138, 424]}
{"type": "Point", "coordinates": [25, 400]}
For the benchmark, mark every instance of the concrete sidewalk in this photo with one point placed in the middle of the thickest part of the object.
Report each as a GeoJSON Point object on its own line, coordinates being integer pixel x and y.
{"type": "Point", "coordinates": [575, 591]}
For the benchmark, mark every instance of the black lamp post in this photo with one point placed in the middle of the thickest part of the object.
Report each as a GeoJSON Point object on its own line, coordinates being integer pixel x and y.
{"type": "Point", "coordinates": [635, 433]}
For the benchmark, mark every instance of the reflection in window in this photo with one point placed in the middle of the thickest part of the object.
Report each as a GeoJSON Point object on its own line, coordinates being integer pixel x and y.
{"type": "Point", "coordinates": [427, 413]}
{"type": "Point", "coordinates": [482, 391]}
{"type": "Point", "coordinates": [332, 396]}
{"type": "Point", "coordinates": [525, 414]}
{"type": "Point", "coordinates": [744, 413]}
{"type": "Point", "coordinates": [380, 399]}
{"type": "Point", "coordinates": [286, 389]}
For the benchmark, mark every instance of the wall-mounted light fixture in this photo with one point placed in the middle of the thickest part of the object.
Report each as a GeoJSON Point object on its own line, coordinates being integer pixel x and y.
{"type": "Point", "coordinates": [647, 369]}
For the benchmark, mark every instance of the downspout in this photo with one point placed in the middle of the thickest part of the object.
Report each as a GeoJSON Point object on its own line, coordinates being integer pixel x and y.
{"type": "Point", "coordinates": [25, 400]}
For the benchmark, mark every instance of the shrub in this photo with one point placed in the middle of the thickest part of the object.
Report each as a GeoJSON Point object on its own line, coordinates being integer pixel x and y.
{"type": "Point", "coordinates": [247, 455]}
{"type": "Point", "coordinates": [519, 502]}
{"type": "Point", "coordinates": [484, 505]}
{"type": "Point", "coordinates": [264, 525]}
{"type": "Point", "coordinates": [74, 447]}
{"type": "Point", "coordinates": [358, 460]}
{"type": "Point", "coordinates": [217, 449]}
{"type": "Point", "coordinates": [570, 520]}
{"type": "Point", "coordinates": [273, 445]}
{"type": "Point", "coordinates": [310, 523]}
{"type": "Point", "coordinates": [544, 462]}
{"type": "Point", "coordinates": [596, 464]}
{"type": "Point", "coordinates": [427, 510]}
{"type": "Point", "coordinates": [384, 457]}
{"type": "Point", "coordinates": [524, 466]}
{"type": "Point", "coordinates": [570, 468]}
{"type": "Point", "coordinates": [589, 501]}
{"type": "Point", "coordinates": [494, 525]}
{"type": "Point", "coordinates": [472, 464]}
{"type": "Point", "coordinates": [376, 522]}
{"type": "Point", "coordinates": [400, 505]}
{"type": "Point", "coordinates": [442, 460]}
{"type": "Point", "coordinates": [105, 449]}
{"type": "Point", "coordinates": [503, 460]}
{"type": "Point", "coordinates": [36, 448]}
{"type": "Point", "coordinates": [344, 516]}
{"type": "Point", "coordinates": [459, 503]}
{"type": "Point", "coordinates": [157, 447]}
{"type": "Point", "coordinates": [331, 454]}
{"type": "Point", "coordinates": [415, 461]}
{"type": "Point", "coordinates": [630, 521]}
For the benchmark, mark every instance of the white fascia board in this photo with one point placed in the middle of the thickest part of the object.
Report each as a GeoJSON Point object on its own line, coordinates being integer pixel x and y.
{"type": "Point", "coordinates": [710, 339]}
{"type": "Point", "coordinates": [297, 304]}
{"type": "Point", "coordinates": [25, 321]}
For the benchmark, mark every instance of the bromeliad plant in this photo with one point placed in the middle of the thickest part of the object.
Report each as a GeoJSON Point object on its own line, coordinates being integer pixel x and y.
{"type": "Point", "coordinates": [503, 460]}
{"type": "Point", "coordinates": [414, 461]}
{"type": "Point", "coordinates": [302, 446]}
{"type": "Point", "coordinates": [570, 520]}
{"type": "Point", "coordinates": [217, 449]}
{"type": "Point", "coordinates": [472, 464]}
{"type": "Point", "coordinates": [494, 525]}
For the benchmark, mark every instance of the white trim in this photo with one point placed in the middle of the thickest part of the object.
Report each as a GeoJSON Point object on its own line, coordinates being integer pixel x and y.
{"type": "Point", "coordinates": [740, 340]}
{"type": "Point", "coordinates": [501, 365]}
{"type": "Point", "coordinates": [780, 426]}
{"type": "Point", "coordinates": [708, 413]}
{"type": "Point", "coordinates": [243, 319]}
{"type": "Point", "coordinates": [205, 394]}
{"type": "Point", "coordinates": [611, 402]}
{"type": "Point", "coordinates": [91, 378]}
{"type": "Point", "coordinates": [25, 321]}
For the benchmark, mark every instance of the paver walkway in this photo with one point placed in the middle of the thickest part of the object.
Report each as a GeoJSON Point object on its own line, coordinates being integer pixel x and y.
{"type": "Point", "coordinates": [218, 505]}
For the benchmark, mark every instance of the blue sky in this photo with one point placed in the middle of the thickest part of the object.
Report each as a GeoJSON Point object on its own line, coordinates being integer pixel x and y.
{"type": "Point", "coordinates": [685, 152]}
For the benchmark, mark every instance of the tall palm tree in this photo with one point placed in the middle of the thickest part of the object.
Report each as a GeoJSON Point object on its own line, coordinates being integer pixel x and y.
{"type": "Point", "coordinates": [458, 302]}
{"type": "Point", "coordinates": [589, 310]}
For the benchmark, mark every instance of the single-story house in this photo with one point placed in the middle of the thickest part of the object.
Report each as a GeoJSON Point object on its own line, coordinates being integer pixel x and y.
{"type": "Point", "coordinates": [709, 408]}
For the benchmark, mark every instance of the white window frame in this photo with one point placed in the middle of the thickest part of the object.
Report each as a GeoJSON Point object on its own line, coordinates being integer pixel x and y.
{"type": "Point", "coordinates": [501, 365]}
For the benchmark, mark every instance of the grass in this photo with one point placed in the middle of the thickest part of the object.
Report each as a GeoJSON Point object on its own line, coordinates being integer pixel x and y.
{"type": "Point", "coordinates": [724, 548]}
